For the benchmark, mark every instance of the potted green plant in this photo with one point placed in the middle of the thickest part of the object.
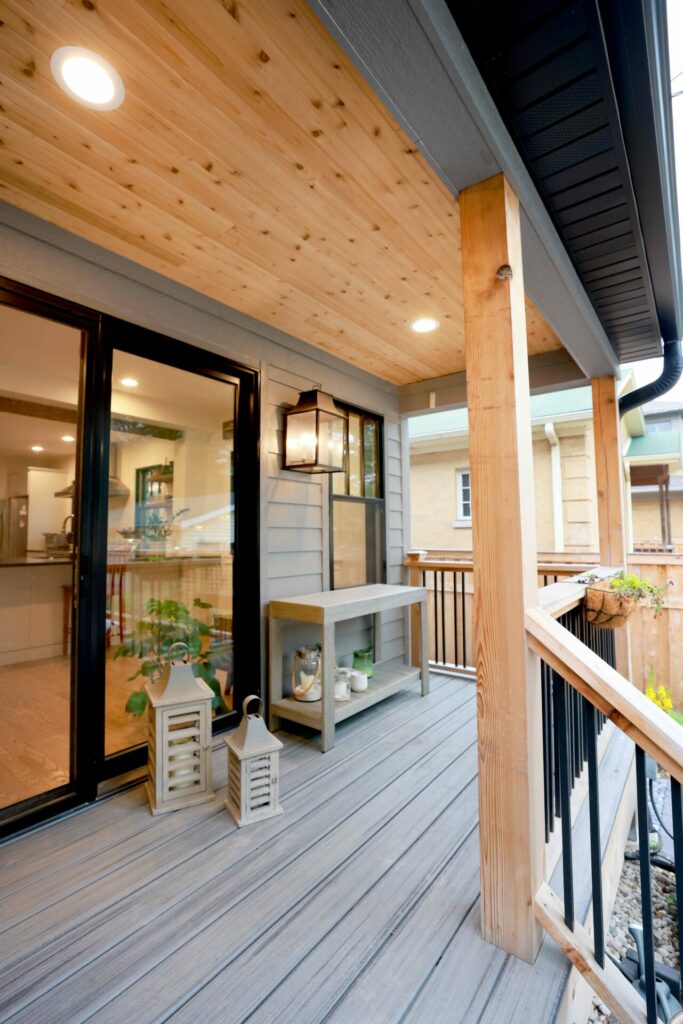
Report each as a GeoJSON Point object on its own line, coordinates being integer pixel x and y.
{"type": "Point", "coordinates": [157, 530]}
{"type": "Point", "coordinates": [167, 623]}
{"type": "Point", "coordinates": [609, 602]}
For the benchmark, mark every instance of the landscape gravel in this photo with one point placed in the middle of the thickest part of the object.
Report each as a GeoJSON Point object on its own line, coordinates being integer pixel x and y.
{"type": "Point", "coordinates": [627, 910]}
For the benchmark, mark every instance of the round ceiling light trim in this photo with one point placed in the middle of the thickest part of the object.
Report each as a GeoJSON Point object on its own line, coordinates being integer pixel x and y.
{"type": "Point", "coordinates": [129, 382]}
{"type": "Point", "coordinates": [424, 325]}
{"type": "Point", "coordinates": [87, 78]}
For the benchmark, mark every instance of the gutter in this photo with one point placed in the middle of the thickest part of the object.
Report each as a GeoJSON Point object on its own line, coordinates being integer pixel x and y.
{"type": "Point", "coordinates": [672, 368]}
{"type": "Point", "coordinates": [556, 478]}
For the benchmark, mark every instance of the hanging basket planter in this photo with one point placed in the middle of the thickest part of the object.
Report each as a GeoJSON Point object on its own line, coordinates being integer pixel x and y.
{"type": "Point", "coordinates": [607, 609]}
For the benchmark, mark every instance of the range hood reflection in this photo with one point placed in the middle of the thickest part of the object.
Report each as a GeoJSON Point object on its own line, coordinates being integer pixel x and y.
{"type": "Point", "coordinates": [117, 489]}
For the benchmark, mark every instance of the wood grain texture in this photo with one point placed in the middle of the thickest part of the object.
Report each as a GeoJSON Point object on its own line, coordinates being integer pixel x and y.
{"type": "Point", "coordinates": [608, 981]}
{"type": "Point", "coordinates": [505, 580]}
{"type": "Point", "coordinates": [608, 471]}
{"type": "Point", "coordinates": [250, 160]}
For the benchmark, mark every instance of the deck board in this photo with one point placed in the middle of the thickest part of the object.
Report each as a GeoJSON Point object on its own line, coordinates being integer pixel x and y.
{"type": "Point", "coordinates": [359, 903]}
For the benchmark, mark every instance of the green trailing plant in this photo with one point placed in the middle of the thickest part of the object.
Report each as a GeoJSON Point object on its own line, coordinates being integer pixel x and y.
{"type": "Point", "coordinates": [168, 623]}
{"type": "Point", "coordinates": [628, 585]}
{"type": "Point", "coordinates": [159, 527]}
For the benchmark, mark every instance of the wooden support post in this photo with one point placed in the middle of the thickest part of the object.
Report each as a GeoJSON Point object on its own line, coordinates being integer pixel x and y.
{"type": "Point", "coordinates": [416, 653]}
{"type": "Point", "coordinates": [609, 483]}
{"type": "Point", "coordinates": [608, 471]}
{"type": "Point", "coordinates": [505, 581]}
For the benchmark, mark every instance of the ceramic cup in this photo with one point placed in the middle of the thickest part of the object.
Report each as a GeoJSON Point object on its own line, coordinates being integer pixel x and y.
{"type": "Point", "coordinates": [359, 681]}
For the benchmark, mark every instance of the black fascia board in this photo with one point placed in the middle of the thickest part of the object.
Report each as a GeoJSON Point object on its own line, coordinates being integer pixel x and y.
{"type": "Point", "coordinates": [636, 37]}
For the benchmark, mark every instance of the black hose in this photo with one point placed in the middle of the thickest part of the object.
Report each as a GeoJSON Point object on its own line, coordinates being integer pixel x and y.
{"type": "Point", "coordinates": [654, 808]}
{"type": "Point", "coordinates": [672, 369]}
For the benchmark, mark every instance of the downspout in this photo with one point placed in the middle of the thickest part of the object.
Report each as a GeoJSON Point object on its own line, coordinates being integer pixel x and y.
{"type": "Point", "coordinates": [672, 369]}
{"type": "Point", "coordinates": [556, 479]}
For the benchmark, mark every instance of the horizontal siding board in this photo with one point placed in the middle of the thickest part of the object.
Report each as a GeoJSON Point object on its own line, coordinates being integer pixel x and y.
{"type": "Point", "coordinates": [294, 490]}
{"type": "Point", "coordinates": [294, 540]}
{"type": "Point", "coordinates": [289, 516]}
{"type": "Point", "coordinates": [294, 587]}
{"type": "Point", "coordinates": [285, 565]}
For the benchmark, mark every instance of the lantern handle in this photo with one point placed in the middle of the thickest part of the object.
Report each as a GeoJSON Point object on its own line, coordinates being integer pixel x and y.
{"type": "Point", "coordinates": [179, 643]}
{"type": "Point", "coordinates": [247, 700]}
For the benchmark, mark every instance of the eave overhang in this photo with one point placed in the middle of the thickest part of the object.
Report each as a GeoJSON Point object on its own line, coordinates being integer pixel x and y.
{"type": "Point", "coordinates": [583, 88]}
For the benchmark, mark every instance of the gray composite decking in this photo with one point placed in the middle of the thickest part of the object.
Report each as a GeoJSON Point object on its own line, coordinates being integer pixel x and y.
{"type": "Point", "coordinates": [358, 905]}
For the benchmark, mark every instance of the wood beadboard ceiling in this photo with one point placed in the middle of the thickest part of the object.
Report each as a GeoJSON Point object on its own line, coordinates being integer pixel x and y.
{"type": "Point", "coordinates": [251, 161]}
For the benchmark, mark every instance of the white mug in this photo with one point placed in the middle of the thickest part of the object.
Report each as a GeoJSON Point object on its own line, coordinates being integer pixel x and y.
{"type": "Point", "coordinates": [359, 681]}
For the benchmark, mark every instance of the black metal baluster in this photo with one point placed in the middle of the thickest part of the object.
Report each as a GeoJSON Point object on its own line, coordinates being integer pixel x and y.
{"type": "Point", "coordinates": [560, 710]}
{"type": "Point", "coordinates": [444, 653]}
{"type": "Point", "coordinates": [547, 766]}
{"type": "Point", "coordinates": [436, 620]}
{"type": "Point", "coordinates": [677, 816]}
{"type": "Point", "coordinates": [463, 607]}
{"type": "Point", "coordinates": [595, 839]}
{"type": "Point", "coordinates": [455, 618]}
{"type": "Point", "coordinates": [645, 888]}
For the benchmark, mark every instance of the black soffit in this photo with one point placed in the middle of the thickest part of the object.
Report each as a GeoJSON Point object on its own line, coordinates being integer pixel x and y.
{"type": "Point", "coordinates": [591, 118]}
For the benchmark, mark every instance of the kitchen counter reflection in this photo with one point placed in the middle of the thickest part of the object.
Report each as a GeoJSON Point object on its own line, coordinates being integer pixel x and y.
{"type": "Point", "coordinates": [14, 563]}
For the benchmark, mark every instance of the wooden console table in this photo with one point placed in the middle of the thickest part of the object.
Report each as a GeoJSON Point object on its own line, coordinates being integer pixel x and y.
{"type": "Point", "coordinates": [325, 610]}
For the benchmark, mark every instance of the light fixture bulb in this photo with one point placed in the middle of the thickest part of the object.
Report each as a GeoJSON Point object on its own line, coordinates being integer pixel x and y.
{"type": "Point", "coordinates": [37, 448]}
{"type": "Point", "coordinates": [129, 382]}
{"type": "Point", "coordinates": [87, 77]}
{"type": "Point", "coordinates": [68, 438]}
{"type": "Point", "coordinates": [424, 325]}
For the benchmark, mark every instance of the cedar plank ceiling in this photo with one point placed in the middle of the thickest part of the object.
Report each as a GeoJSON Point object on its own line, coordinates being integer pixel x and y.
{"type": "Point", "coordinates": [250, 161]}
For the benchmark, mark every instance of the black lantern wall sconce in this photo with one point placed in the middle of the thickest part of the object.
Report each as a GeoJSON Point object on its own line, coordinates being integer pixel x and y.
{"type": "Point", "coordinates": [314, 434]}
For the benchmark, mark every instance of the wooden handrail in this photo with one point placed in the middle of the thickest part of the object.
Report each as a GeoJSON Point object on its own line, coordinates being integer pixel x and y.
{"type": "Point", "coordinates": [440, 564]}
{"type": "Point", "coordinates": [630, 710]}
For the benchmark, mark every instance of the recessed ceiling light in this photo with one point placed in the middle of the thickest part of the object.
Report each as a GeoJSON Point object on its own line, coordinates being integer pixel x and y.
{"type": "Point", "coordinates": [37, 448]}
{"type": "Point", "coordinates": [68, 438]}
{"type": "Point", "coordinates": [424, 325]}
{"type": "Point", "coordinates": [87, 77]}
{"type": "Point", "coordinates": [129, 382]}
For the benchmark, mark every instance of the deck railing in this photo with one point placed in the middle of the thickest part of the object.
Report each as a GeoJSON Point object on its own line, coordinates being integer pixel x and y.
{"type": "Point", "coordinates": [448, 579]}
{"type": "Point", "coordinates": [583, 690]}
{"type": "Point", "coordinates": [564, 723]}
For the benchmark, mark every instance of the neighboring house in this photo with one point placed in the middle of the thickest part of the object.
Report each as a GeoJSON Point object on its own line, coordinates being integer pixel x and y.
{"type": "Point", "coordinates": [656, 479]}
{"type": "Point", "coordinates": [564, 475]}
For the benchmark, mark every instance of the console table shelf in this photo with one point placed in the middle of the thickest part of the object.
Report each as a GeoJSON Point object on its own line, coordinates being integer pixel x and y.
{"type": "Point", "coordinates": [326, 609]}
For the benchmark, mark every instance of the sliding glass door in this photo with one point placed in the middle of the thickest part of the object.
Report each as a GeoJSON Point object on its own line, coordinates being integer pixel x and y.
{"type": "Point", "coordinates": [129, 511]}
{"type": "Point", "coordinates": [170, 536]}
{"type": "Point", "coordinates": [39, 426]}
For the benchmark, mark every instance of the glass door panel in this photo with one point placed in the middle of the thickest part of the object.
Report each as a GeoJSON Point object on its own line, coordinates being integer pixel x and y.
{"type": "Point", "coordinates": [170, 536]}
{"type": "Point", "coordinates": [40, 366]}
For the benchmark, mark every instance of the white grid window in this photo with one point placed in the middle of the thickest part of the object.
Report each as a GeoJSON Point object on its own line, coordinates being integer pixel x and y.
{"type": "Point", "coordinates": [463, 495]}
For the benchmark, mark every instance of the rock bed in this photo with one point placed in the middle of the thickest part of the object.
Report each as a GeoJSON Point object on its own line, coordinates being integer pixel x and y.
{"type": "Point", "coordinates": [627, 909]}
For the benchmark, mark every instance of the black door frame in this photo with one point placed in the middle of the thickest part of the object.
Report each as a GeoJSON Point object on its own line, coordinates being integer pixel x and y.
{"type": "Point", "coordinates": [101, 334]}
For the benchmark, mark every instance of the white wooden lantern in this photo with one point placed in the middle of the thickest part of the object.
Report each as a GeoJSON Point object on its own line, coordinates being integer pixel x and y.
{"type": "Point", "coordinates": [253, 769]}
{"type": "Point", "coordinates": [179, 738]}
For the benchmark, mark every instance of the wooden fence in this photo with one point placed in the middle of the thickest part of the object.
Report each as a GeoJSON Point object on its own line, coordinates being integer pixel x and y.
{"type": "Point", "coordinates": [657, 643]}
